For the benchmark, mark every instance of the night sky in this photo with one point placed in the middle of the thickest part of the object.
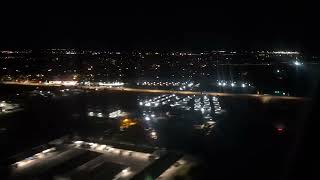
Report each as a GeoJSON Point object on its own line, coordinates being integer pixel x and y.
{"type": "Point", "coordinates": [164, 27]}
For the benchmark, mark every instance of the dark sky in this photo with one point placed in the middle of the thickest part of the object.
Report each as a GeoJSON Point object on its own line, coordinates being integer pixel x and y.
{"type": "Point", "coordinates": [238, 26]}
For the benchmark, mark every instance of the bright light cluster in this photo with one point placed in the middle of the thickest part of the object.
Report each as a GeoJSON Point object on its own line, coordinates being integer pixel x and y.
{"type": "Point", "coordinates": [96, 114]}
{"type": "Point", "coordinates": [181, 103]}
{"type": "Point", "coordinates": [155, 102]}
{"type": "Point", "coordinates": [92, 145]}
{"type": "Point", "coordinates": [286, 52]}
{"type": "Point", "coordinates": [186, 84]}
{"type": "Point", "coordinates": [203, 104]}
{"type": "Point", "coordinates": [297, 63]}
{"type": "Point", "coordinates": [8, 107]}
{"type": "Point", "coordinates": [153, 134]}
{"type": "Point", "coordinates": [171, 100]}
{"type": "Point", "coordinates": [109, 149]}
{"type": "Point", "coordinates": [64, 83]}
{"type": "Point", "coordinates": [223, 83]}
{"type": "Point", "coordinates": [28, 160]}
{"type": "Point", "coordinates": [216, 104]}
{"type": "Point", "coordinates": [117, 113]}
{"type": "Point", "coordinates": [3, 104]}
{"type": "Point", "coordinates": [112, 84]}
{"type": "Point", "coordinates": [149, 116]}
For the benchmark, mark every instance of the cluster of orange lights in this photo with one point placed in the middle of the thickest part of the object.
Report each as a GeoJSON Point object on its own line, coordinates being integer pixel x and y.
{"type": "Point", "coordinates": [126, 123]}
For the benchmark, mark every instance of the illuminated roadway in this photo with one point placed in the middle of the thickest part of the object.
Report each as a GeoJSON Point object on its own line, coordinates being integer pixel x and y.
{"type": "Point", "coordinates": [263, 97]}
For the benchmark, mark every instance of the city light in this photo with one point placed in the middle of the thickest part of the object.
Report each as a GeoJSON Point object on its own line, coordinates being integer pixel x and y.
{"type": "Point", "coordinates": [286, 52]}
{"type": "Point", "coordinates": [297, 63]}
{"type": "Point", "coordinates": [153, 134]}
{"type": "Point", "coordinates": [228, 84]}
{"type": "Point", "coordinates": [117, 113]}
{"type": "Point", "coordinates": [64, 83]}
{"type": "Point", "coordinates": [113, 84]}
{"type": "Point", "coordinates": [100, 115]}
{"type": "Point", "coordinates": [2, 104]}
{"type": "Point", "coordinates": [147, 118]}
{"type": "Point", "coordinates": [126, 123]}
{"type": "Point", "coordinates": [33, 158]}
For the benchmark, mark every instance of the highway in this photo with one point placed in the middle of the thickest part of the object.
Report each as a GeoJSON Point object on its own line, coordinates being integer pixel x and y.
{"type": "Point", "coordinates": [263, 97]}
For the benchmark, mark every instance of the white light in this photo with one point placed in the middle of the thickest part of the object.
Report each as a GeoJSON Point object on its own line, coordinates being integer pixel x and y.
{"type": "Point", "coordinates": [69, 83]}
{"type": "Point", "coordinates": [55, 82]}
{"type": "Point", "coordinates": [117, 113]}
{"type": "Point", "coordinates": [101, 147]}
{"type": "Point", "coordinates": [147, 118]}
{"type": "Point", "coordinates": [111, 84]}
{"type": "Point", "coordinates": [152, 115]}
{"type": "Point", "coordinates": [78, 142]}
{"type": "Point", "coordinates": [278, 70]}
{"type": "Point", "coordinates": [91, 114]}
{"type": "Point", "coordinates": [297, 63]}
{"type": "Point", "coordinates": [223, 84]}
{"type": "Point", "coordinates": [219, 84]}
{"type": "Point", "coordinates": [93, 145]}
{"type": "Point", "coordinates": [140, 103]}
{"type": "Point", "coordinates": [232, 84]}
{"type": "Point", "coordinates": [100, 115]}
{"type": "Point", "coordinates": [49, 150]}
{"type": "Point", "coordinates": [243, 85]}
